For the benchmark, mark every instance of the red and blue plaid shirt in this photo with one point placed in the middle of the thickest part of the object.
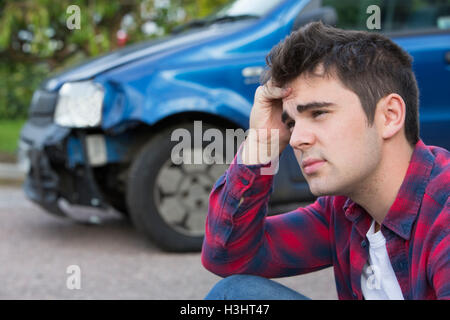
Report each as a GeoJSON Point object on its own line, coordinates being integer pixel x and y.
{"type": "Point", "coordinates": [241, 239]}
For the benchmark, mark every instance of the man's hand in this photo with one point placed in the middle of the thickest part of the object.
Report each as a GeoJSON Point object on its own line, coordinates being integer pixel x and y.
{"type": "Point", "coordinates": [265, 120]}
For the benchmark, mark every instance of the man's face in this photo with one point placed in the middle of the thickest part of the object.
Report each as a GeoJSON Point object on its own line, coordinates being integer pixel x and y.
{"type": "Point", "coordinates": [336, 150]}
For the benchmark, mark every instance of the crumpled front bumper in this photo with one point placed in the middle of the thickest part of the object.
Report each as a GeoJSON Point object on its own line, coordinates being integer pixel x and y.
{"type": "Point", "coordinates": [54, 158]}
{"type": "Point", "coordinates": [42, 181]}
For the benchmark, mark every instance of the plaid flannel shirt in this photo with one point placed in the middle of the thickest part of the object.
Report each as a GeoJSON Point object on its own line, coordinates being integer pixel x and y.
{"type": "Point", "coordinates": [241, 239]}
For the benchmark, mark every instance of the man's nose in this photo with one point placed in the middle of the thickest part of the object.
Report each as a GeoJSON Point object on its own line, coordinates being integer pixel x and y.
{"type": "Point", "coordinates": [302, 138]}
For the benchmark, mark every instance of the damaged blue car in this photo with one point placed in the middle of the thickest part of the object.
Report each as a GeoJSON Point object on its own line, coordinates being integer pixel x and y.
{"type": "Point", "coordinates": [99, 134]}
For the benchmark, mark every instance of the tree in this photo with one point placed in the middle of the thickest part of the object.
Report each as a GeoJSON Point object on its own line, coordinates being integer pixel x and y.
{"type": "Point", "coordinates": [35, 40]}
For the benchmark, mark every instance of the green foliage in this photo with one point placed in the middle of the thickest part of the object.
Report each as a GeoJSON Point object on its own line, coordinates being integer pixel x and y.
{"type": "Point", "coordinates": [9, 134]}
{"type": "Point", "coordinates": [35, 40]}
{"type": "Point", "coordinates": [17, 84]}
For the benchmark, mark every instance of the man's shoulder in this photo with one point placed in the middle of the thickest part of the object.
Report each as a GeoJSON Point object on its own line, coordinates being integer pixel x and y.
{"type": "Point", "coordinates": [437, 218]}
{"type": "Point", "coordinates": [438, 187]}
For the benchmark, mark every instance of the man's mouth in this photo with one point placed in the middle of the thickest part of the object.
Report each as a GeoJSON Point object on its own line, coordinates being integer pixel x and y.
{"type": "Point", "coordinates": [311, 166]}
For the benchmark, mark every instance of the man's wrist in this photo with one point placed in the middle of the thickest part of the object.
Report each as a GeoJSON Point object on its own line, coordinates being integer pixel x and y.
{"type": "Point", "coordinates": [257, 153]}
{"type": "Point", "coordinates": [244, 176]}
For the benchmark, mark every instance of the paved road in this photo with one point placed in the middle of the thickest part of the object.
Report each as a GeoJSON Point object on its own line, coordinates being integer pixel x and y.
{"type": "Point", "coordinates": [115, 262]}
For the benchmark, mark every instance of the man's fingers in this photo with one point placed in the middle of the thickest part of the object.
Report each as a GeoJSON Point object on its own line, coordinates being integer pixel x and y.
{"type": "Point", "coordinates": [272, 92]}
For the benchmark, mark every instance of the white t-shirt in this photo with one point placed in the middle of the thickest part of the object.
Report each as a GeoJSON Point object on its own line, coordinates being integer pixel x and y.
{"type": "Point", "coordinates": [378, 280]}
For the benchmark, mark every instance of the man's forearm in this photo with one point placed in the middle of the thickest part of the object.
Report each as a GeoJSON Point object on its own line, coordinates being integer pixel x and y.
{"type": "Point", "coordinates": [239, 238]}
{"type": "Point", "coordinates": [235, 218]}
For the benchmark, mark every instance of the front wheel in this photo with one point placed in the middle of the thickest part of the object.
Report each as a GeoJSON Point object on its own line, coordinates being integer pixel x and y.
{"type": "Point", "coordinates": [168, 202]}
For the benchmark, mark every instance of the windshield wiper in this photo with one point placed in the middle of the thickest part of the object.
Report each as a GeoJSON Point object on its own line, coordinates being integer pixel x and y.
{"type": "Point", "coordinates": [234, 18]}
{"type": "Point", "coordinates": [197, 23]}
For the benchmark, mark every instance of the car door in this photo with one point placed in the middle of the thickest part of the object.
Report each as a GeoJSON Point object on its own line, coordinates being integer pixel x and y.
{"type": "Point", "coordinates": [421, 27]}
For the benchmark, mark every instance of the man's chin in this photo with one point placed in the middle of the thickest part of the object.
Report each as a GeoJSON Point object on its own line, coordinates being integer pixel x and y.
{"type": "Point", "coordinates": [321, 190]}
{"type": "Point", "coordinates": [320, 193]}
{"type": "Point", "coordinates": [326, 191]}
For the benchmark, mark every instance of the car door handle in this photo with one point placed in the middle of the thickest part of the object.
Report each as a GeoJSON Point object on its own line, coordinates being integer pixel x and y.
{"type": "Point", "coordinates": [252, 71]}
{"type": "Point", "coordinates": [447, 57]}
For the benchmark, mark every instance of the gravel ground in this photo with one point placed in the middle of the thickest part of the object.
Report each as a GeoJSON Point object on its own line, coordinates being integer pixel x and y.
{"type": "Point", "coordinates": [115, 262]}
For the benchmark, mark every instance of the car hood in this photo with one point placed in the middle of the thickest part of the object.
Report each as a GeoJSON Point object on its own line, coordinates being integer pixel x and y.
{"type": "Point", "coordinates": [93, 67]}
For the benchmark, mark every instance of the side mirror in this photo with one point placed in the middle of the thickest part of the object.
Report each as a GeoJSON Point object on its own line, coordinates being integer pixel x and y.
{"type": "Point", "coordinates": [327, 15]}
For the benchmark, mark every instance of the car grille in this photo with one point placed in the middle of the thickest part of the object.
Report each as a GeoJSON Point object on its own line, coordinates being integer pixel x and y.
{"type": "Point", "coordinates": [42, 107]}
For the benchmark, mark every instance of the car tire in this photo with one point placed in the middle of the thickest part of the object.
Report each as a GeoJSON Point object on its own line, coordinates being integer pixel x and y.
{"type": "Point", "coordinates": [162, 197]}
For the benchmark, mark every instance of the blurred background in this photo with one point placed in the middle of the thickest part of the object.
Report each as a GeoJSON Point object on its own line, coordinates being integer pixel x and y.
{"type": "Point", "coordinates": [38, 249]}
{"type": "Point", "coordinates": [35, 43]}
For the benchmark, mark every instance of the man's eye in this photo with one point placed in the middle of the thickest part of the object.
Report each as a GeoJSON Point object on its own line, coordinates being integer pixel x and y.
{"type": "Point", "coordinates": [290, 124]}
{"type": "Point", "coordinates": [317, 113]}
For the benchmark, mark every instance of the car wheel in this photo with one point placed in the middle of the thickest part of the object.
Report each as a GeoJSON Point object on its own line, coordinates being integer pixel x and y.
{"type": "Point", "coordinates": [168, 202]}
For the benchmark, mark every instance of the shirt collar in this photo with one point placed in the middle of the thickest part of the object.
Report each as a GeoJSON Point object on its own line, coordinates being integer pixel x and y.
{"type": "Point", "coordinates": [403, 212]}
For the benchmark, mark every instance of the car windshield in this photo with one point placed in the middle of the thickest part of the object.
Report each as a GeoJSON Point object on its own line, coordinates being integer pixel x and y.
{"type": "Point", "coordinates": [233, 11]}
{"type": "Point", "coordinates": [246, 7]}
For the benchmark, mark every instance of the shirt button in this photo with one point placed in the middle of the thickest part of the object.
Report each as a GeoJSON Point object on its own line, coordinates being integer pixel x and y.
{"type": "Point", "coordinates": [355, 296]}
{"type": "Point", "coordinates": [363, 243]}
{"type": "Point", "coordinates": [402, 265]}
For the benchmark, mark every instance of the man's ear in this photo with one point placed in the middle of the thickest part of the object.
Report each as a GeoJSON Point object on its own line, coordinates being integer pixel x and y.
{"type": "Point", "coordinates": [390, 115]}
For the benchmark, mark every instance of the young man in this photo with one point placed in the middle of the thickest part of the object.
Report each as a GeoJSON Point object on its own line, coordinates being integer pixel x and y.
{"type": "Point", "coordinates": [347, 103]}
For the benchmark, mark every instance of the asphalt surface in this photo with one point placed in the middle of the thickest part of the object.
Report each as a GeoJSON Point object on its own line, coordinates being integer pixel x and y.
{"type": "Point", "coordinates": [36, 250]}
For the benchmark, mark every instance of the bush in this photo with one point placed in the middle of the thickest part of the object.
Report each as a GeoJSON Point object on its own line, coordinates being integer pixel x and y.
{"type": "Point", "coordinates": [35, 40]}
{"type": "Point", "coordinates": [17, 84]}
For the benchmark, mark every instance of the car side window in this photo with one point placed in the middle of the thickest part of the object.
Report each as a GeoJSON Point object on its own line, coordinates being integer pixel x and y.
{"type": "Point", "coordinates": [395, 15]}
{"type": "Point", "coordinates": [404, 15]}
{"type": "Point", "coordinates": [351, 14]}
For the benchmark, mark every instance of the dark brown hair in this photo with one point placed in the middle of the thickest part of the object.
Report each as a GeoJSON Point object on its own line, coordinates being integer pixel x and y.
{"type": "Point", "coordinates": [369, 64]}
